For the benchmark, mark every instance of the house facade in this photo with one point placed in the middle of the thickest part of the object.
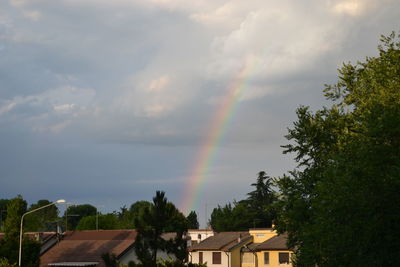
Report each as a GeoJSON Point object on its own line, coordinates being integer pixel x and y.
{"type": "Point", "coordinates": [271, 252]}
{"type": "Point", "coordinates": [195, 236]}
{"type": "Point", "coordinates": [221, 250]}
{"type": "Point", "coordinates": [85, 248]}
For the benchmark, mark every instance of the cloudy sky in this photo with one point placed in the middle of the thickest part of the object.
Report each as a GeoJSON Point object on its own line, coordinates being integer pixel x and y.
{"type": "Point", "coordinates": [105, 102]}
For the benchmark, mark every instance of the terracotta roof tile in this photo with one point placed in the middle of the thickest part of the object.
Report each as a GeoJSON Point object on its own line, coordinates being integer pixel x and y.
{"type": "Point", "coordinates": [275, 243]}
{"type": "Point", "coordinates": [88, 246]}
{"type": "Point", "coordinates": [222, 241]}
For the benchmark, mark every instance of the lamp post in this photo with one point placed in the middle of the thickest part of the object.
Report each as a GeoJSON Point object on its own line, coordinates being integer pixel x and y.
{"type": "Point", "coordinates": [60, 201]}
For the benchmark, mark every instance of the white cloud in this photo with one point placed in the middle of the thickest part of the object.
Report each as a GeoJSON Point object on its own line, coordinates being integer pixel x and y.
{"type": "Point", "coordinates": [7, 107]}
{"type": "Point", "coordinates": [33, 15]}
{"type": "Point", "coordinates": [356, 7]}
{"type": "Point", "coordinates": [159, 84]}
{"type": "Point", "coordinates": [65, 108]}
{"type": "Point", "coordinates": [280, 37]}
{"type": "Point", "coordinates": [50, 110]}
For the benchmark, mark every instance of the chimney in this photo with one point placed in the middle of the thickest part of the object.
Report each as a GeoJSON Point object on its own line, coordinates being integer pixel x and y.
{"type": "Point", "coordinates": [240, 238]}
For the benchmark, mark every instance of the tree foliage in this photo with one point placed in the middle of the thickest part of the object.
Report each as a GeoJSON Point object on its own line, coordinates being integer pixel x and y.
{"type": "Point", "coordinates": [193, 222]}
{"type": "Point", "coordinates": [5, 263]}
{"type": "Point", "coordinates": [44, 219]}
{"type": "Point", "coordinates": [255, 211]}
{"type": "Point", "coordinates": [3, 212]}
{"type": "Point", "coordinates": [341, 205]}
{"type": "Point", "coordinates": [102, 221]}
{"type": "Point", "coordinates": [77, 212]}
{"type": "Point", "coordinates": [160, 217]}
{"type": "Point", "coordinates": [9, 246]}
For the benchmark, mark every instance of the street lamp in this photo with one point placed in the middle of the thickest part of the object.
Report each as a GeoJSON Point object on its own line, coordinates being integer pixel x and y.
{"type": "Point", "coordinates": [60, 201]}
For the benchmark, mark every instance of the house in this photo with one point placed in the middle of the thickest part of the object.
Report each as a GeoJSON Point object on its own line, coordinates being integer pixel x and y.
{"type": "Point", "coordinates": [46, 239]}
{"type": "Point", "coordinates": [269, 250]}
{"type": "Point", "coordinates": [222, 249]}
{"type": "Point", "coordinates": [195, 236]}
{"type": "Point", "coordinates": [85, 248]}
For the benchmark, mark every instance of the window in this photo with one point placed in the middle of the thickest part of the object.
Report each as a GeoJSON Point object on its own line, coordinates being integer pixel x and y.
{"type": "Point", "coordinates": [266, 258]}
{"type": "Point", "coordinates": [247, 257]}
{"type": "Point", "coordinates": [283, 258]}
{"type": "Point", "coordinates": [200, 257]}
{"type": "Point", "coordinates": [216, 258]}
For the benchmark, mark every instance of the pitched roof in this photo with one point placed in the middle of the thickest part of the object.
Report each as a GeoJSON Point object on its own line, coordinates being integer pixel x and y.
{"type": "Point", "coordinates": [200, 230]}
{"type": "Point", "coordinates": [224, 241]}
{"type": "Point", "coordinates": [88, 246]}
{"type": "Point", "coordinates": [275, 243]}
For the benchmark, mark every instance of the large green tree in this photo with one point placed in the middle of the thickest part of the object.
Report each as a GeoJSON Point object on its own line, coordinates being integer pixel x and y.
{"type": "Point", "coordinates": [44, 219]}
{"type": "Point", "coordinates": [341, 205]}
{"type": "Point", "coordinates": [101, 221]}
{"type": "Point", "coordinates": [236, 217]}
{"type": "Point", "coordinates": [261, 201]}
{"type": "Point", "coordinates": [3, 212]}
{"type": "Point", "coordinates": [74, 214]}
{"type": "Point", "coordinates": [255, 211]}
{"type": "Point", "coordinates": [158, 218]}
{"type": "Point", "coordinates": [9, 246]}
{"type": "Point", "coordinates": [193, 222]}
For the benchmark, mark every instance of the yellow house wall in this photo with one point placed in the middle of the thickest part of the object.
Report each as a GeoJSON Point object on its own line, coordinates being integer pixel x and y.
{"type": "Point", "coordinates": [273, 259]}
{"type": "Point", "coordinates": [260, 235]}
{"type": "Point", "coordinates": [235, 255]}
{"type": "Point", "coordinates": [248, 265]}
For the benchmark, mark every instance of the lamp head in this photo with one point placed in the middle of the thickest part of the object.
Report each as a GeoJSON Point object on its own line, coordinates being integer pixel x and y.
{"type": "Point", "coordinates": [61, 201]}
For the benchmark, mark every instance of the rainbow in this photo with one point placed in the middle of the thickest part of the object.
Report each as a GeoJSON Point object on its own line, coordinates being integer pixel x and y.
{"type": "Point", "coordinates": [215, 134]}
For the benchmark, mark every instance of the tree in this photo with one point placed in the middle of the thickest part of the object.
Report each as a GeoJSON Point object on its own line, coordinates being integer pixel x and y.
{"type": "Point", "coordinates": [3, 212]}
{"type": "Point", "coordinates": [127, 217]}
{"type": "Point", "coordinates": [9, 246]}
{"type": "Point", "coordinates": [5, 263]}
{"type": "Point", "coordinates": [103, 221]}
{"type": "Point", "coordinates": [232, 218]}
{"type": "Point", "coordinates": [258, 210]}
{"type": "Point", "coordinates": [193, 223]}
{"type": "Point", "coordinates": [42, 220]}
{"type": "Point", "coordinates": [340, 205]}
{"type": "Point", "coordinates": [160, 217]}
{"type": "Point", "coordinates": [15, 208]}
{"type": "Point", "coordinates": [75, 213]}
{"type": "Point", "coordinates": [262, 200]}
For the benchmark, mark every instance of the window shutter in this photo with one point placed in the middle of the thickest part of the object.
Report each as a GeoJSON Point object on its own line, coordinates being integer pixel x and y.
{"type": "Point", "coordinates": [283, 257]}
{"type": "Point", "coordinates": [200, 257]}
{"type": "Point", "coordinates": [266, 257]}
{"type": "Point", "coordinates": [216, 257]}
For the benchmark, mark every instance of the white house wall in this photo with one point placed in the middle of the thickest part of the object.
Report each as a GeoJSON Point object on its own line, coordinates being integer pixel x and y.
{"type": "Point", "coordinates": [131, 256]}
{"type": "Point", "coordinates": [207, 257]}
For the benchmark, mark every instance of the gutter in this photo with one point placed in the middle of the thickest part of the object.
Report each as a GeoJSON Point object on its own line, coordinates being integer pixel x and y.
{"type": "Point", "coordinates": [227, 255]}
